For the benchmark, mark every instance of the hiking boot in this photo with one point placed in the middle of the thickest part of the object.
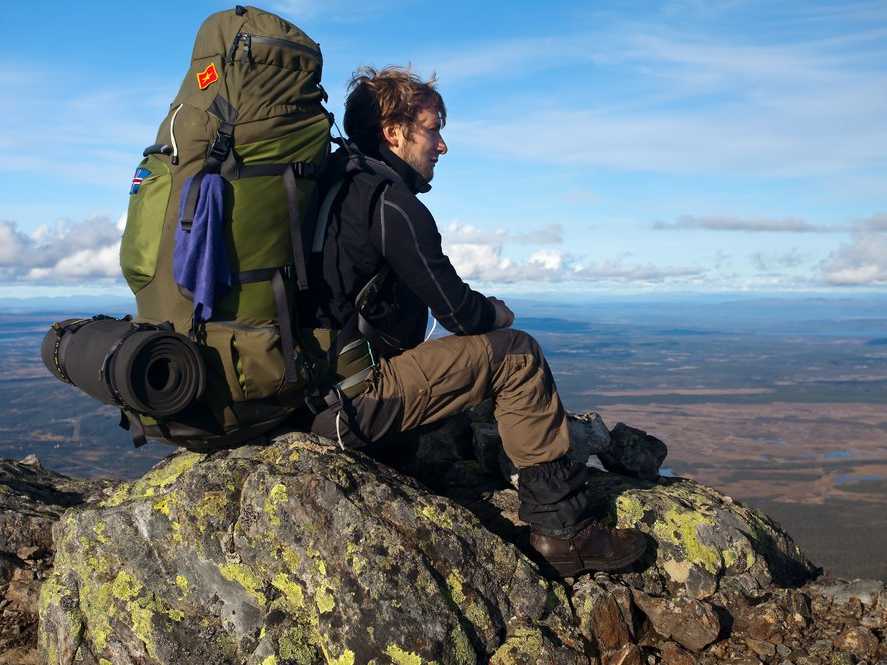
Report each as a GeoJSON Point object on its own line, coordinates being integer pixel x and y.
{"type": "Point", "coordinates": [594, 548]}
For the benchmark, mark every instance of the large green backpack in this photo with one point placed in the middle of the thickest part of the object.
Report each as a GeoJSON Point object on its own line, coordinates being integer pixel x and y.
{"type": "Point", "coordinates": [249, 109]}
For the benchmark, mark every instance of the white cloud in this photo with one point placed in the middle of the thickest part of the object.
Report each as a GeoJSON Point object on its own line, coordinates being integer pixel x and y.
{"type": "Point", "coordinates": [751, 225]}
{"type": "Point", "coordinates": [478, 256]}
{"type": "Point", "coordinates": [63, 252]}
{"type": "Point", "coordinates": [861, 262]}
{"type": "Point", "coordinates": [457, 232]}
{"type": "Point", "coordinates": [770, 261]}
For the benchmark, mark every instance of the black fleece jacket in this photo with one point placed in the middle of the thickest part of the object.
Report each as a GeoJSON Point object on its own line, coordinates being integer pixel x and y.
{"type": "Point", "coordinates": [377, 220]}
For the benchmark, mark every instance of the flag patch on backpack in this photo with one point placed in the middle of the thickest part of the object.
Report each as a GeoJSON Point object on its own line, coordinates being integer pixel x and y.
{"type": "Point", "coordinates": [208, 76]}
{"type": "Point", "coordinates": [137, 178]}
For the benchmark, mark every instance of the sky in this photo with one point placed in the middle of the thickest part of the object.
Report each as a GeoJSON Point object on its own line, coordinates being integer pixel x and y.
{"type": "Point", "coordinates": [597, 147]}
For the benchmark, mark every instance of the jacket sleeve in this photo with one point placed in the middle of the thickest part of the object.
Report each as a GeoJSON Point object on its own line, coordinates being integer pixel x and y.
{"type": "Point", "coordinates": [405, 233]}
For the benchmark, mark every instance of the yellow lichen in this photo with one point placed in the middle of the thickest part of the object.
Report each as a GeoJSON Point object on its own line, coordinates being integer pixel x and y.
{"type": "Point", "coordinates": [276, 496]}
{"type": "Point", "coordinates": [680, 528]}
{"type": "Point", "coordinates": [347, 658]}
{"type": "Point", "coordinates": [125, 586]}
{"type": "Point", "coordinates": [430, 513]}
{"type": "Point", "coordinates": [523, 645]}
{"type": "Point", "coordinates": [462, 651]}
{"type": "Point", "coordinates": [291, 591]}
{"type": "Point", "coordinates": [245, 577]}
{"type": "Point", "coordinates": [270, 660]}
{"type": "Point", "coordinates": [212, 504]}
{"type": "Point", "coordinates": [324, 600]}
{"type": "Point", "coordinates": [182, 583]}
{"type": "Point", "coordinates": [297, 644]}
{"type": "Point", "coordinates": [168, 473]}
{"type": "Point", "coordinates": [454, 582]}
{"type": "Point", "coordinates": [162, 476]}
{"type": "Point", "coordinates": [291, 558]}
{"type": "Point", "coordinates": [401, 657]}
{"type": "Point", "coordinates": [164, 504]}
{"type": "Point", "coordinates": [142, 625]}
{"type": "Point", "coordinates": [103, 661]}
{"type": "Point", "coordinates": [101, 532]}
{"type": "Point", "coordinates": [629, 510]}
{"type": "Point", "coordinates": [730, 557]}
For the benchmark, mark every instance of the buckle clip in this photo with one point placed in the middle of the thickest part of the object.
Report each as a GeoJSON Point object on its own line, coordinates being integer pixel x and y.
{"type": "Point", "coordinates": [220, 147]}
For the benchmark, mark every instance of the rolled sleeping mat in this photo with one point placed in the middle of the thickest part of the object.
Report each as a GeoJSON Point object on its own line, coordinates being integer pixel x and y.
{"type": "Point", "coordinates": [149, 370]}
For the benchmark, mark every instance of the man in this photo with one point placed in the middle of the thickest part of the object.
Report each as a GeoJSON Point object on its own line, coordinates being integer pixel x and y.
{"type": "Point", "coordinates": [379, 234]}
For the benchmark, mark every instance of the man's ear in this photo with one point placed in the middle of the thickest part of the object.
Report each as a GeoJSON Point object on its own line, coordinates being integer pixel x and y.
{"type": "Point", "coordinates": [392, 135]}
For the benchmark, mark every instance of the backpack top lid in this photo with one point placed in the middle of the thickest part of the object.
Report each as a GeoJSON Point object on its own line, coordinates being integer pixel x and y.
{"type": "Point", "coordinates": [219, 30]}
{"type": "Point", "coordinates": [272, 63]}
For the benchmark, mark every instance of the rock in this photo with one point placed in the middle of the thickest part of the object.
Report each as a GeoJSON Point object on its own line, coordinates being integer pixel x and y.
{"type": "Point", "coordinates": [859, 641]}
{"type": "Point", "coordinates": [763, 649]}
{"type": "Point", "coordinates": [634, 453]}
{"type": "Point", "coordinates": [295, 548]}
{"type": "Point", "coordinates": [840, 592]}
{"type": "Point", "coordinates": [672, 654]}
{"type": "Point", "coordinates": [601, 619]}
{"type": "Point", "coordinates": [765, 622]}
{"type": "Point", "coordinates": [627, 654]}
{"type": "Point", "coordinates": [589, 436]}
{"type": "Point", "coordinates": [705, 541]}
{"type": "Point", "coordinates": [690, 622]}
{"type": "Point", "coordinates": [300, 553]}
{"type": "Point", "coordinates": [31, 500]}
{"type": "Point", "coordinates": [841, 658]}
{"type": "Point", "coordinates": [487, 445]}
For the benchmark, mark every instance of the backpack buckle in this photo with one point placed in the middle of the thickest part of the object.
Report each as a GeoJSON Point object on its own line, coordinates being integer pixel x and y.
{"type": "Point", "coordinates": [219, 148]}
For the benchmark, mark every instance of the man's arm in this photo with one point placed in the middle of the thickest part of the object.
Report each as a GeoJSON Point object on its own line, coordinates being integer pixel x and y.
{"type": "Point", "coordinates": [406, 235]}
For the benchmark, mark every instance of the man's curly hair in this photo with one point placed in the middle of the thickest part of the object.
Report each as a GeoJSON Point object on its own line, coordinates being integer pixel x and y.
{"type": "Point", "coordinates": [391, 96]}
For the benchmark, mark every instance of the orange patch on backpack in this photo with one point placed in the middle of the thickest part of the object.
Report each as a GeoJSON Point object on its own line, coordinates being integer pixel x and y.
{"type": "Point", "coordinates": [208, 76]}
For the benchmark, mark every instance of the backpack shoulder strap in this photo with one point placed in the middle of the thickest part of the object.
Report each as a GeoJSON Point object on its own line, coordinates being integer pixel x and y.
{"type": "Point", "coordinates": [357, 163]}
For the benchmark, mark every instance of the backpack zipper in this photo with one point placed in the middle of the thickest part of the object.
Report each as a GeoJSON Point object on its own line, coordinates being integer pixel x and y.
{"type": "Point", "coordinates": [248, 40]}
{"type": "Point", "coordinates": [174, 159]}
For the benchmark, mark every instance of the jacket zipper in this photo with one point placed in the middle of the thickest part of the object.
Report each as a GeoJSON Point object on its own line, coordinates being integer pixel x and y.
{"type": "Point", "coordinates": [248, 39]}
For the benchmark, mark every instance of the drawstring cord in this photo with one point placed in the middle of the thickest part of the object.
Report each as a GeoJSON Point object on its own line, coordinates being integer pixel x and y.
{"type": "Point", "coordinates": [338, 431]}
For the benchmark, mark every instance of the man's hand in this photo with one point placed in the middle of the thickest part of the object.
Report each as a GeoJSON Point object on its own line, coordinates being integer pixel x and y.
{"type": "Point", "coordinates": [504, 316]}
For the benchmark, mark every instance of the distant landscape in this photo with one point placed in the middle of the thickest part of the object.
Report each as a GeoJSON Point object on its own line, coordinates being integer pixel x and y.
{"type": "Point", "coordinates": [778, 402]}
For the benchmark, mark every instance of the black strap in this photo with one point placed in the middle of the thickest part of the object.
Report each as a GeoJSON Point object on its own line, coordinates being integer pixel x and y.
{"type": "Point", "coordinates": [133, 424]}
{"type": "Point", "coordinates": [259, 275]}
{"type": "Point", "coordinates": [281, 299]}
{"type": "Point", "coordinates": [138, 431]}
{"type": "Point", "coordinates": [300, 170]}
{"type": "Point", "coordinates": [188, 212]}
{"type": "Point", "coordinates": [289, 184]}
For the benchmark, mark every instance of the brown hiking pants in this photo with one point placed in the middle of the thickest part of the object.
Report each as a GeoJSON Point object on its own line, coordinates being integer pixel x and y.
{"type": "Point", "coordinates": [445, 376]}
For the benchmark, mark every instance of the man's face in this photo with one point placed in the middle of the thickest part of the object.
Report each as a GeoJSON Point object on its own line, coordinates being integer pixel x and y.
{"type": "Point", "coordinates": [424, 145]}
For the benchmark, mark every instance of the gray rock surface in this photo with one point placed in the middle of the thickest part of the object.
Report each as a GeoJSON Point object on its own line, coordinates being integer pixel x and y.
{"type": "Point", "coordinates": [31, 501]}
{"type": "Point", "coordinates": [300, 553]}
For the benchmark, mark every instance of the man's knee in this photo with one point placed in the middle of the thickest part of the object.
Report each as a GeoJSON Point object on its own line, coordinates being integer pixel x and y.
{"type": "Point", "coordinates": [508, 341]}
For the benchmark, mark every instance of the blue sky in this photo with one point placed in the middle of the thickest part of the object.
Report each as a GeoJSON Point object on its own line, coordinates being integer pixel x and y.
{"type": "Point", "coordinates": [595, 147]}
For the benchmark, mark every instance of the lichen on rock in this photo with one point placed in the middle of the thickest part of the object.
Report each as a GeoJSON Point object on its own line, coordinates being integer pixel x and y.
{"type": "Point", "coordinates": [298, 552]}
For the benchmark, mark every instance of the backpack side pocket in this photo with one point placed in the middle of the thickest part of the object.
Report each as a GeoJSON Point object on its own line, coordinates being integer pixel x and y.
{"type": "Point", "coordinates": [148, 201]}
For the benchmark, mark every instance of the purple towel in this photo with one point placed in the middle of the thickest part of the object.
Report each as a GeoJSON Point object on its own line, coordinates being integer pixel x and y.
{"type": "Point", "coordinates": [200, 258]}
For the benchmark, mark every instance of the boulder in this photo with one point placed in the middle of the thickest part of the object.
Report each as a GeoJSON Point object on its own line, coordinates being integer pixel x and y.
{"type": "Point", "coordinates": [705, 541]}
{"type": "Point", "coordinates": [293, 552]}
{"type": "Point", "coordinates": [633, 452]}
{"type": "Point", "coordinates": [299, 552]}
{"type": "Point", "coordinates": [31, 501]}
